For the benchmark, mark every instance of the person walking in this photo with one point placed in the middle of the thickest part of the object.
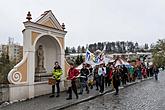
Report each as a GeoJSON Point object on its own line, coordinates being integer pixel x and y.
{"type": "Point", "coordinates": [110, 74]}
{"type": "Point", "coordinates": [144, 72]}
{"type": "Point", "coordinates": [72, 75]}
{"type": "Point", "coordinates": [57, 72]}
{"type": "Point", "coordinates": [101, 73]}
{"type": "Point", "coordinates": [125, 75]}
{"type": "Point", "coordinates": [107, 76]}
{"type": "Point", "coordinates": [96, 77]}
{"type": "Point", "coordinates": [151, 70]}
{"type": "Point", "coordinates": [131, 71]}
{"type": "Point", "coordinates": [84, 72]}
{"type": "Point", "coordinates": [155, 71]}
{"type": "Point", "coordinates": [116, 80]}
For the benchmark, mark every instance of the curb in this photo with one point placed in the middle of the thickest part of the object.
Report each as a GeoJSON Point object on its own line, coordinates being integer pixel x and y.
{"type": "Point", "coordinates": [80, 101]}
{"type": "Point", "coordinates": [95, 96]}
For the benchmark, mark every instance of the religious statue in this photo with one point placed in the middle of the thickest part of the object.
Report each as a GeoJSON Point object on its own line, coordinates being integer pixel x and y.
{"type": "Point", "coordinates": [40, 60]}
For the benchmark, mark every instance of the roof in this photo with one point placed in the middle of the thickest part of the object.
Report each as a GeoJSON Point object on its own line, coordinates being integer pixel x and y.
{"type": "Point", "coordinates": [48, 19]}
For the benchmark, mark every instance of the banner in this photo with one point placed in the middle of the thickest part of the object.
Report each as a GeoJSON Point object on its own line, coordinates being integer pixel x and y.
{"type": "Point", "coordinates": [92, 59]}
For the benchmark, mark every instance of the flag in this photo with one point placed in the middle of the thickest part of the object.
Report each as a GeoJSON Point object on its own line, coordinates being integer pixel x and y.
{"type": "Point", "coordinates": [88, 55]}
{"type": "Point", "coordinates": [92, 59]}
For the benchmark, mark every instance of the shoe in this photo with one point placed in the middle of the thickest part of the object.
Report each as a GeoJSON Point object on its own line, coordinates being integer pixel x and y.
{"type": "Point", "coordinates": [116, 94]}
{"type": "Point", "coordinates": [77, 97]}
{"type": "Point", "coordinates": [88, 92]}
{"type": "Point", "coordinates": [97, 89]}
{"type": "Point", "coordinates": [57, 95]}
{"type": "Point", "coordinates": [80, 93]}
{"type": "Point", "coordinates": [51, 96]}
{"type": "Point", "coordinates": [69, 98]}
{"type": "Point", "coordinates": [91, 87]}
{"type": "Point", "coordinates": [101, 92]}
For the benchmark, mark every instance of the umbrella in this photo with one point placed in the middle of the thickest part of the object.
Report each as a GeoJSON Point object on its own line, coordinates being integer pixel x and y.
{"type": "Point", "coordinates": [121, 62]}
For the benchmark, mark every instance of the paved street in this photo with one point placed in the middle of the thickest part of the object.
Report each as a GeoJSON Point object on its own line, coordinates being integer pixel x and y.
{"type": "Point", "coordinates": [148, 95]}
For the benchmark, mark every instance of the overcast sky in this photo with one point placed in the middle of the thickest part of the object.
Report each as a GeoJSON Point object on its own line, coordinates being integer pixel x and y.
{"type": "Point", "coordinates": [89, 21]}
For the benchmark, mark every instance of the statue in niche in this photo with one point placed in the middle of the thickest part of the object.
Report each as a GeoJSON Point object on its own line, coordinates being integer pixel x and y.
{"type": "Point", "coordinates": [40, 60]}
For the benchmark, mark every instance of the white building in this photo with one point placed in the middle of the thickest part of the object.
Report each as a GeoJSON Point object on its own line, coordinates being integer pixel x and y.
{"type": "Point", "coordinates": [13, 50]}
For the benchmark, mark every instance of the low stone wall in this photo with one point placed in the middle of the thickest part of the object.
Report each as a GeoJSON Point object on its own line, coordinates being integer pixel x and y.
{"type": "Point", "coordinates": [42, 88]}
{"type": "Point", "coordinates": [4, 93]}
{"type": "Point", "coordinates": [25, 91]}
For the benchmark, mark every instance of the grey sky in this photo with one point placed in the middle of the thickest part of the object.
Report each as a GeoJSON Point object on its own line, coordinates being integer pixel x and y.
{"type": "Point", "coordinates": [89, 21]}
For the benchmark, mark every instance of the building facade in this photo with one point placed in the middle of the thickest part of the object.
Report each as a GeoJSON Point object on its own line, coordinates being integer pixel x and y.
{"type": "Point", "coordinates": [13, 50]}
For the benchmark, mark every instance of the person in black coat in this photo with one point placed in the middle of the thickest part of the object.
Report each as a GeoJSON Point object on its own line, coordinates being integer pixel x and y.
{"type": "Point", "coordinates": [116, 80]}
{"type": "Point", "coordinates": [84, 72]}
{"type": "Point", "coordinates": [155, 71]}
{"type": "Point", "coordinates": [125, 73]}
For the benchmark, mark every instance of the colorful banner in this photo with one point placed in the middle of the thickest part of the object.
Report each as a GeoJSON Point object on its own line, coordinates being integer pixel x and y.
{"type": "Point", "coordinates": [92, 59]}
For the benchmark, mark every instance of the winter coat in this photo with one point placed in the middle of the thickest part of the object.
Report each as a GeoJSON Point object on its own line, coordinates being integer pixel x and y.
{"type": "Point", "coordinates": [57, 72]}
{"type": "Point", "coordinates": [84, 73]}
{"type": "Point", "coordinates": [72, 74]}
{"type": "Point", "coordinates": [116, 79]}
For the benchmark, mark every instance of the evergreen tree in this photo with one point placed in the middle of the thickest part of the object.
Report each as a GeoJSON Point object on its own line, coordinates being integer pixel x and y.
{"type": "Point", "coordinates": [77, 61]}
{"type": "Point", "coordinates": [5, 66]}
{"type": "Point", "coordinates": [73, 50]}
{"type": "Point", "coordinates": [83, 49]}
{"type": "Point", "coordinates": [67, 50]}
{"type": "Point", "coordinates": [78, 49]}
{"type": "Point", "coordinates": [81, 59]}
{"type": "Point", "coordinates": [158, 53]}
{"type": "Point", "coordinates": [146, 47]}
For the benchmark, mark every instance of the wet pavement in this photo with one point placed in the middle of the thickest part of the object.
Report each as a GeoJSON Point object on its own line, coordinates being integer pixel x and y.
{"type": "Point", "coordinates": [147, 95]}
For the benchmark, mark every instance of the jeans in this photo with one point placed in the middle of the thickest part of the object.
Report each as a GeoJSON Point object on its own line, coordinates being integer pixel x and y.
{"type": "Point", "coordinates": [156, 76]}
{"type": "Point", "coordinates": [101, 84]}
{"type": "Point", "coordinates": [83, 84]}
{"type": "Point", "coordinates": [57, 86]}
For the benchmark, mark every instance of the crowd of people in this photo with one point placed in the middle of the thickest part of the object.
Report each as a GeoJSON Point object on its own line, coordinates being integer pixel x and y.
{"type": "Point", "coordinates": [101, 76]}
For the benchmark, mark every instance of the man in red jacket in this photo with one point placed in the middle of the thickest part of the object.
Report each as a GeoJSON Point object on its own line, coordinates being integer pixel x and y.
{"type": "Point", "coordinates": [72, 75]}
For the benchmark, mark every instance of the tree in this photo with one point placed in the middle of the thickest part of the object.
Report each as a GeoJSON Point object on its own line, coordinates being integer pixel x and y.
{"type": "Point", "coordinates": [81, 59]}
{"type": "Point", "coordinates": [158, 53]}
{"type": "Point", "coordinates": [5, 66]}
{"type": "Point", "coordinates": [146, 47]}
{"type": "Point", "coordinates": [136, 47]}
{"type": "Point", "coordinates": [77, 61]}
{"type": "Point", "coordinates": [108, 47]}
{"type": "Point", "coordinates": [83, 49]}
{"type": "Point", "coordinates": [78, 49]}
{"type": "Point", "coordinates": [73, 50]}
{"type": "Point", "coordinates": [99, 45]}
{"type": "Point", "coordinates": [131, 46]}
{"type": "Point", "coordinates": [91, 47]}
{"type": "Point", "coordinates": [113, 47]}
{"type": "Point", "coordinates": [67, 50]}
{"type": "Point", "coordinates": [95, 46]}
{"type": "Point", "coordinates": [123, 46]}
